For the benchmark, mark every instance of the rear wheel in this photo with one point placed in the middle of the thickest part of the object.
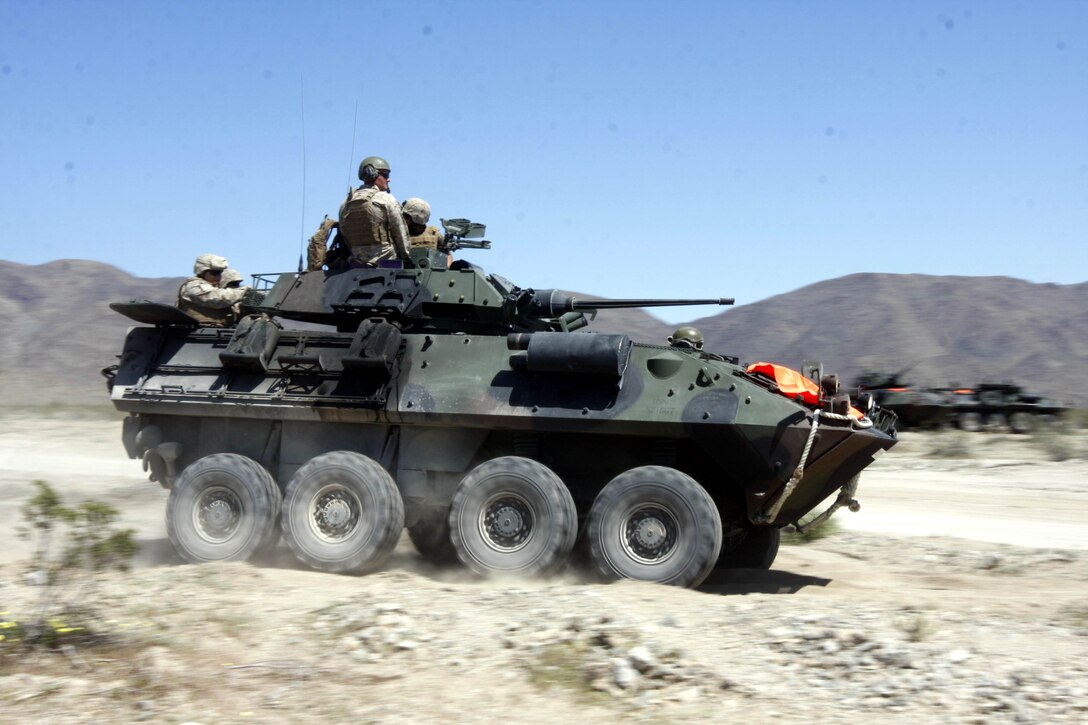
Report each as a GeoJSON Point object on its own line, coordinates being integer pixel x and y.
{"type": "Point", "coordinates": [342, 512]}
{"type": "Point", "coordinates": [512, 515]}
{"type": "Point", "coordinates": [223, 507]}
{"type": "Point", "coordinates": [654, 524]}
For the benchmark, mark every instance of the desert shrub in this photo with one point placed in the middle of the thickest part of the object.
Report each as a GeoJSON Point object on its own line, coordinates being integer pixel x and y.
{"type": "Point", "coordinates": [71, 545]}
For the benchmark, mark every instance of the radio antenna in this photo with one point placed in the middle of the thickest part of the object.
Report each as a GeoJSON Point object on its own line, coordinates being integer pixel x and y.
{"type": "Point", "coordinates": [302, 223]}
{"type": "Point", "coordinates": [354, 127]}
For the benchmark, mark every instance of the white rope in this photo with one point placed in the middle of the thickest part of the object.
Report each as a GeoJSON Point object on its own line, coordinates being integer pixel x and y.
{"type": "Point", "coordinates": [799, 472]}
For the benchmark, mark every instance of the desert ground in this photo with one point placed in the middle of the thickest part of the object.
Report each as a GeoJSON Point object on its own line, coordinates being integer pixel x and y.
{"type": "Point", "coordinates": [959, 593]}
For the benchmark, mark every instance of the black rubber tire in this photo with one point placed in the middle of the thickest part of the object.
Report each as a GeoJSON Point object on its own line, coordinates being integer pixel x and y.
{"type": "Point", "coordinates": [970, 422]}
{"type": "Point", "coordinates": [342, 513]}
{"type": "Point", "coordinates": [431, 536]}
{"type": "Point", "coordinates": [1020, 422]}
{"type": "Point", "coordinates": [996, 422]}
{"type": "Point", "coordinates": [512, 515]}
{"type": "Point", "coordinates": [223, 507]}
{"type": "Point", "coordinates": [675, 506]}
{"type": "Point", "coordinates": [757, 548]}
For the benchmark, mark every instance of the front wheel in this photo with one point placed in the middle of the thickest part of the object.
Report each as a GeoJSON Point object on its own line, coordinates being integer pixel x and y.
{"type": "Point", "coordinates": [756, 548]}
{"type": "Point", "coordinates": [342, 512]}
{"type": "Point", "coordinates": [223, 507]}
{"type": "Point", "coordinates": [654, 524]}
{"type": "Point", "coordinates": [513, 515]}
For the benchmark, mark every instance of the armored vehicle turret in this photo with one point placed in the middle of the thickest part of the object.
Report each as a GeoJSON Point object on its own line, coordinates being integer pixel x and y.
{"type": "Point", "coordinates": [481, 416]}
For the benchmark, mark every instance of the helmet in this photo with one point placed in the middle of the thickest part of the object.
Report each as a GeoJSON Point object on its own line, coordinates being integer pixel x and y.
{"type": "Point", "coordinates": [417, 210]}
{"type": "Point", "coordinates": [229, 277]}
{"type": "Point", "coordinates": [687, 336]}
{"type": "Point", "coordinates": [207, 262]}
{"type": "Point", "coordinates": [370, 166]}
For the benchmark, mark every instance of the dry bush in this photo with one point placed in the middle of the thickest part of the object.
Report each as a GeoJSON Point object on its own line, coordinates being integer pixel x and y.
{"type": "Point", "coordinates": [71, 546]}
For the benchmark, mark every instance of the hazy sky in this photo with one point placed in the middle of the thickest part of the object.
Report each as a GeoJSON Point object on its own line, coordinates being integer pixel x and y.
{"type": "Point", "coordinates": [623, 149]}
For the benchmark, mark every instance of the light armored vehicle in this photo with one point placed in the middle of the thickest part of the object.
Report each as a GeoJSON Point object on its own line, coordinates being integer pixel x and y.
{"type": "Point", "coordinates": [481, 416]}
{"type": "Point", "coordinates": [914, 407]}
{"type": "Point", "coordinates": [993, 406]}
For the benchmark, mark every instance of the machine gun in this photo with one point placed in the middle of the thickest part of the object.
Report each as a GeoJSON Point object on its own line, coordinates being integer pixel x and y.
{"type": "Point", "coordinates": [462, 234]}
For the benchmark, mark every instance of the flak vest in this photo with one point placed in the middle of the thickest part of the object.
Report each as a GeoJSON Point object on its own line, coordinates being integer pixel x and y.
{"type": "Point", "coordinates": [362, 224]}
{"type": "Point", "coordinates": [428, 238]}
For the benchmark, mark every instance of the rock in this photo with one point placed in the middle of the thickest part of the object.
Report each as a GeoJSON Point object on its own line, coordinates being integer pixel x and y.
{"type": "Point", "coordinates": [957, 656]}
{"type": "Point", "coordinates": [624, 675]}
{"type": "Point", "coordinates": [687, 694]}
{"type": "Point", "coordinates": [642, 659]}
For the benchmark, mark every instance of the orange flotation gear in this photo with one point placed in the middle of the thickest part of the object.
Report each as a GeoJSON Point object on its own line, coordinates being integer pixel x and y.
{"type": "Point", "coordinates": [791, 383]}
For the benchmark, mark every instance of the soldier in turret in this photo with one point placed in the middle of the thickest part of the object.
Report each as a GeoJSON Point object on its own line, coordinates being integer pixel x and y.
{"type": "Point", "coordinates": [416, 215]}
{"type": "Point", "coordinates": [370, 219]}
{"type": "Point", "coordinates": [687, 337]}
{"type": "Point", "coordinates": [232, 279]}
{"type": "Point", "coordinates": [201, 297]}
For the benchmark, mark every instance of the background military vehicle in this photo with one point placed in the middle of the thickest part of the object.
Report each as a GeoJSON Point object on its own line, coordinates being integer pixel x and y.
{"type": "Point", "coordinates": [469, 409]}
{"type": "Point", "coordinates": [994, 406]}
{"type": "Point", "coordinates": [915, 407]}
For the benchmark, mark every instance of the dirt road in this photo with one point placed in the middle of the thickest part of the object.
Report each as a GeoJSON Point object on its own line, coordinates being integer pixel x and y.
{"type": "Point", "coordinates": [957, 593]}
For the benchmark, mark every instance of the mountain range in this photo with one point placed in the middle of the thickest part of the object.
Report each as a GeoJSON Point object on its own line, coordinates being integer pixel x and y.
{"type": "Point", "coordinates": [56, 331]}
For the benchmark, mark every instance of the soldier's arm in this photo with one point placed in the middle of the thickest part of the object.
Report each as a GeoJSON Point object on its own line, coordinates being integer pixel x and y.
{"type": "Point", "coordinates": [398, 230]}
{"type": "Point", "coordinates": [206, 294]}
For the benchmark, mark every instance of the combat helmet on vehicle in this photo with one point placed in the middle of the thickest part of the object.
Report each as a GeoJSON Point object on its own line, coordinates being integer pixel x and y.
{"type": "Point", "coordinates": [477, 413]}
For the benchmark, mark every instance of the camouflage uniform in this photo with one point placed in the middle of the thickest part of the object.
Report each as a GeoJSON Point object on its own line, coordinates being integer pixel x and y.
{"type": "Point", "coordinates": [232, 279]}
{"type": "Point", "coordinates": [372, 226]}
{"type": "Point", "coordinates": [429, 238]}
{"type": "Point", "coordinates": [212, 305]}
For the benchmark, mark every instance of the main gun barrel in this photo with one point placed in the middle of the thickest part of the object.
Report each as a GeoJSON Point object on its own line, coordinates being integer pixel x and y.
{"type": "Point", "coordinates": [621, 304]}
{"type": "Point", "coordinates": [552, 303]}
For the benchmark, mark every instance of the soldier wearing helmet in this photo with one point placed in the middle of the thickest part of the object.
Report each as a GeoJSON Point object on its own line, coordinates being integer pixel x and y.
{"type": "Point", "coordinates": [232, 279]}
{"type": "Point", "coordinates": [201, 296]}
{"type": "Point", "coordinates": [370, 219]}
{"type": "Point", "coordinates": [687, 337]}
{"type": "Point", "coordinates": [416, 215]}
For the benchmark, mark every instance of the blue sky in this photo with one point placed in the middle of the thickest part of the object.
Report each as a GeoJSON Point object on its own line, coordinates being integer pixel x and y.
{"type": "Point", "coordinates": [623, 149]}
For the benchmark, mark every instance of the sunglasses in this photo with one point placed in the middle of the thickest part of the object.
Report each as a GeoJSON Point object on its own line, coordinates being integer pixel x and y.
{"type": "Point", "coordinates": [384, 175]}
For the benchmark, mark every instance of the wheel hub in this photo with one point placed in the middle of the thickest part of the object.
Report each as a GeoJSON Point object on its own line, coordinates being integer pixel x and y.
{"type": "Point", "coordinates": [335, 514]}
{"type": "Point", "coordinates": [650, 534]}
{"type": "Point", "coordinates": [217, 514]}
{"type": "Point", "coordinates": [507, 523]}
